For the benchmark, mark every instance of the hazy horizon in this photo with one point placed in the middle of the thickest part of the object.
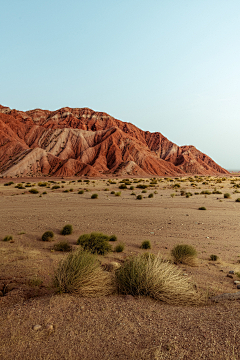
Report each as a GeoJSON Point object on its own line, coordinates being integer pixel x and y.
{"type": "Point", "coordinates": [169, 67]}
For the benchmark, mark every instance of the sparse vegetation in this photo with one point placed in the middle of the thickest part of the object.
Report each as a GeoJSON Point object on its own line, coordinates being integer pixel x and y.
{"type": "Point", "coordinates": [33, 191]}
{"type": "Point", "coordinates": [185, 254]}
{"type": "Point", "coordinates": [119, 247]}
{"type": "Point", "coordinates": [42, 184]}
{"type": "Point", "coordinates": [158, 279]}
{"type": "Point", "coordinates": [8, 183]}
{"type": "Point", "coordinates": [213, 257]}
{"type": "Point", "coordinates": [237, 200]}
{"type": "Point", "coordinates": [202, 208]}
{"type": "Point", "coordinates": [67, 230]}
{"type": "Point", "coordinates": [118, 193]}
{"type": "Point", "coordinates": [139, 197]}
{"type": "Point", "coordinates": [62, 246]}
{"type": "Point", "coordinates": [48, 236]}
{"type": "Point", "coordinates": [96, 243]}
{"type": "Point", "coordinates": [81, 192]}
{"type": "Point", "coordinates": [150, 195]}
{"type": "Point", "coordinates": [112, 238]}
{"type": "Point", "coordinates": [227, 196]}
{"type": "Point", "coordinates": [80, 272]}
{"type": "Point", "coordinates": [8, 238]}
{"type": "Point", "coordinates": [123, 186]}
{"type": "Point", "coordinates": [54, 187]}
{"type": "Point", "coordinates": [145, 244]}
{"type": "Point", "coordinates": [94, 196]}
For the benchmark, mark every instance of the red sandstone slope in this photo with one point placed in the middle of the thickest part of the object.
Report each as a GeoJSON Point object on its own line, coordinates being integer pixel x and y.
{"type": "Point", "coordinates": [71, 142]}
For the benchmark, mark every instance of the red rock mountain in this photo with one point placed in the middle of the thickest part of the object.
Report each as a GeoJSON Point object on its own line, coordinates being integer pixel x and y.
{"type": "Point", "coordinates": [70, 142]}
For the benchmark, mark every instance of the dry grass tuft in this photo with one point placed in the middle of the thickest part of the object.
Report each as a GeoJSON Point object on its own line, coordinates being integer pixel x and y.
{"type": "Point", "coordinates": [185, 254]}
{"type": "Point", "coordinates": [81, 273]}
{"type": "Point", "coordinates": [158, 279]}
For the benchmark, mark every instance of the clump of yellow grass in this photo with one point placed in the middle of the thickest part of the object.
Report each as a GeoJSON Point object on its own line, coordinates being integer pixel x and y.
{"type": "Point", "coordinates": [80, 273]}
{"type": "Point", "coordinates": [157, 278]}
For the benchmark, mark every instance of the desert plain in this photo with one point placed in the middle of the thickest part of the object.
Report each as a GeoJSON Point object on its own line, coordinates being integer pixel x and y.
{"type": "Point", "coordinates": [119, 326]}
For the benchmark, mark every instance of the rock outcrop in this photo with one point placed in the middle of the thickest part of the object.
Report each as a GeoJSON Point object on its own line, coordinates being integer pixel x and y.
{"type": "Point", "coordinates": [70, 142]}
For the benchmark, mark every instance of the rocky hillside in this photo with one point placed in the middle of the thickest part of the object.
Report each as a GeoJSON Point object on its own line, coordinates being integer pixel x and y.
{"type": "Point", "coordinates": [69, 142]}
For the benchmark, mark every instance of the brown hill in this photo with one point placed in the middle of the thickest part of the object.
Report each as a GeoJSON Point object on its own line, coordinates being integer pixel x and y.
{"type": "Point", "coordinates": [70, 142]}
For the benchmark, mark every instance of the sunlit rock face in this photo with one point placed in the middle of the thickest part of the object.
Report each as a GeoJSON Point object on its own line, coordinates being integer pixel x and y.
{"type": "Point", "coordinates": [69, 142]}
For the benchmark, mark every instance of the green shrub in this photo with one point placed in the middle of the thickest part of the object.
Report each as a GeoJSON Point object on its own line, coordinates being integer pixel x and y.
{"type": "Point", "coordinates": [150, 195]}
{"type": "Point", "coordinates": [133, 193]}
{"type": "Point", "coordinates": [131, 188]}
{"type": "Point", "coordinates": [213, 257]}
{"type": "Point", "coordinates": [172, 195]}
{"type": "Point", "coordinates": [66, 191]}
{"type": "Point", "coordinates": [139, 197]}
{"type": "Point", "coordinates": [9, 183]}
{"type": "Point", "coordinates": [237, 200]}
{"type": "Point", "coordinates": [112, 192]}
{"type": "Point", "coordinates": [48, 236]}
{"type": "Point", "coordinates": [202, 208]}
{"type": "Point", "coordinates": [44, 193]}
{"type": "Point", "coordinates": [227, 196]}
{"type": "Point", "coordinates": [94, 196]}
{"type": "Point", "coordinates": [62, 246]}
{"type": "Point", "coordinates": [112, 238]}
{"type": "Point", "coordinates": [158, 279]}
{"type": "Point", "coordinates": [33, 191]}
{"type": "Point", "coordinates": [81, 273]}
{"type": "Point", "coordinates": [96, 243]}
{"type": "Point", "coordinates": [144, 191]}
{"type": "Point", "coordinates": [118, 193]}
{"type": "Point", "coordinates": [19, 186]}
{"type": "Point", "coordinates": [205, 192]}
{"type": "Point", "coordinates": [42, 184]}
{"type": "Point", "coordinates": [67, 230]}
{"type": "Point", "coordinates": [8, 238]}
{"type": "Point", "coordinates": [185, 254]}
{"type": "Point", "coordinates": [55, 187]}
{"type": "Point", "coordinates": [123, 186]}
{"type": "Point", "coordinates": [146, 245]}
{"type": "Point", "coordinates": [81, 192]}
{"type": "Point", "coordinates": [142, 186]}
{"type": "Point", "coordinates": [119, 247]}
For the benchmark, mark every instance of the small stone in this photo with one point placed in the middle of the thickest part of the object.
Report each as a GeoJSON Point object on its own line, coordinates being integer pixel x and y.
{"type": "Point", "coordinates": [37, 327]}
{"type": "Point", "coordinates": [82, 307]}
{"type": "Point", "coordinates": [221, 270]}
{"type": "Point", "coordinates": [49, 327]}
{"type": "Point", "coordinates": [231, 272]}
{"type": "Point", "coordinates": [230, 276]}
{"type": "Point", "coordinates": [236, 282]}
{"type": "Point", "coordinates": [238, 286]}
{"type": "Point", "coordinates": [185, 275]}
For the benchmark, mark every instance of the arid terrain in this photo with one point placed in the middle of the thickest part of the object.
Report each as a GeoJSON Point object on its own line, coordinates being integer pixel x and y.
{"type": "Point", "coordinates": [118, 326]}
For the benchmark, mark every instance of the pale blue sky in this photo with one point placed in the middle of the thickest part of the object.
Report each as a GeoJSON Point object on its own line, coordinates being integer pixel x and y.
{"type": "Point", "coordinates": [171, 66]}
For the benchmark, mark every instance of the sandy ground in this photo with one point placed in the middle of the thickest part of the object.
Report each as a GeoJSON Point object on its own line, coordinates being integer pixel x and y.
{"type": "Point", "coordinates": [118, 327]}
